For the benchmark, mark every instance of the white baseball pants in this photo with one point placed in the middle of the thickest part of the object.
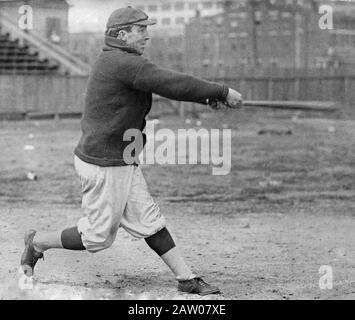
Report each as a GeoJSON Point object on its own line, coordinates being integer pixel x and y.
{"type": "Point", "coordinates": [114, 197]}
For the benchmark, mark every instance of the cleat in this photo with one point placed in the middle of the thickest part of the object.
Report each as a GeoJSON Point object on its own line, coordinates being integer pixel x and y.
{"type": "Point", "coordinates": [30, 256]}
{"type": "Point", "coordinates": [197, 286]}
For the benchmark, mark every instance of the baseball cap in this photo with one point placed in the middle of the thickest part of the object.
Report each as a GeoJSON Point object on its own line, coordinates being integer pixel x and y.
{"type": "Point", "coordinates": [129, 15]}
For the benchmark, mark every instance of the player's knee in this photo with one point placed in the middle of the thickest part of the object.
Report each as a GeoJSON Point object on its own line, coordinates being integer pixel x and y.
{"type": "Point", "coordinates": [99, 246]}
{"type": "Point", "coordinates": [107, 243]}
{"type": "Point", "coordinates": [100, 242]}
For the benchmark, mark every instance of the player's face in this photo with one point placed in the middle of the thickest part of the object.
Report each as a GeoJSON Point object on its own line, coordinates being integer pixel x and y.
{"type": "Point", "coordinates": [138, 38]}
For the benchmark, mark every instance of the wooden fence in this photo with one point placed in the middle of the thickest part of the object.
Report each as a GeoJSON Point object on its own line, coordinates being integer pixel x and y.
{"type": "Point", "coordinates": [42, 93]}
{"type": "Point", "coordinates": [62, 94]}
{"type": "Point", "coordinates": [302, 88]}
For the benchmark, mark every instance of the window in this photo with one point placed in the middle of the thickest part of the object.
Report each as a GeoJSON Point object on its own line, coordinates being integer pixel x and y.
{"type": "Point", "coordinates": [166, 7]}
{"type": "Point", "coordinates": [258, 15]}
{"type": "Point", "coordinates": [207, 5]}
{"type": "Point", "coordinates": [53, 29]}
{"type": "Point", "coordinates": [179, 20]}
{"type": "Point", "coordinates": [205, 47]}
{"type": "Point", "coordinates": [234, 24]}
{"type": "Point", "coordinates": [242, 15]}
{"type": "Point", "coordinates": [286, 15]}
{"type": "Point", "coordinates": [274, 14]}
{"type": "Point", "coordinates": [165, 21]}
{"type": "Point", "coordinates": [193, 6]}
{"type": "Point", "coordinates": [219, 21]}
{"type": "Point", "coordinates": [179, 6]}
{"type": "Point", "coordinates": [242, 3]}
{"type": "Point", "coordinates": [153, 8]}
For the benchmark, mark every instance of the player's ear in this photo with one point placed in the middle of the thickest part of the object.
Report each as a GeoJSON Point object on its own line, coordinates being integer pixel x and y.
{"type": "Point", "coordinates": [122, 35]}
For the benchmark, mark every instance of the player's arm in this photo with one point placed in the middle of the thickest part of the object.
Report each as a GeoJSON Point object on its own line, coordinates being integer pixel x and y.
{"type": "Point", "coordinates": [182, 87]}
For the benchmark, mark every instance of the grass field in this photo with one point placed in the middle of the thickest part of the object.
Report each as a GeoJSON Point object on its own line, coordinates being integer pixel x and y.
{"type": "Point", "coordinates": [261, 232]}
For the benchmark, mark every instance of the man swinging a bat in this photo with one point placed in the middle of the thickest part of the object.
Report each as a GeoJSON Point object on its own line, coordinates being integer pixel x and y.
{"type": "Point", "coordinates": [114, 193]}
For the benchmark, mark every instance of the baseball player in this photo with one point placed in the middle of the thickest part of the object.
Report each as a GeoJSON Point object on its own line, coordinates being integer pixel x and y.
{"type": "Point", "coordinates": [114, 193]}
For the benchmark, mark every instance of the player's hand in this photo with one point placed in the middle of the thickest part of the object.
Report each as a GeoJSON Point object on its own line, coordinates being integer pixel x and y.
{"type": "Point", "coordinates": [234, 99]}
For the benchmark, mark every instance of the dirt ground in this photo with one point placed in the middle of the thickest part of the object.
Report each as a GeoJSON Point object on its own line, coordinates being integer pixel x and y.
{"type": "Point", "coordinates": [262, 232]}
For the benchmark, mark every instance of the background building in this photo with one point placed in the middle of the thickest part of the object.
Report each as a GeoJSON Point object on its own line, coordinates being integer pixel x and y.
{"type": "Point", "coordinates": [172, 15]}
{"type": "Point", "coordinates": [341, 50]}
{"type": "Point", "coordinates": [271, 33]}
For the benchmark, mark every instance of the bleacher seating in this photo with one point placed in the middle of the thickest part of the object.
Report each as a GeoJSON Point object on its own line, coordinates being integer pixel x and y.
{"type": "Point", "coordinates": [17, 59]}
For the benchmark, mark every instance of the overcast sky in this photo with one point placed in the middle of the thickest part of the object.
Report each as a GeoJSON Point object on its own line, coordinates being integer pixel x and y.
{"type": "Point", "coordinates": [91, 15]}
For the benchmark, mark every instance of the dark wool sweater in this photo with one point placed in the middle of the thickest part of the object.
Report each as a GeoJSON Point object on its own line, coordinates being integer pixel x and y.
{"type": "Point", "coordinates": [119, 96]}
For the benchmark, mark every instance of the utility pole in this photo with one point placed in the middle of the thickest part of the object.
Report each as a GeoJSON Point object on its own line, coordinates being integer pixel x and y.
{"type": "Point", "coordinates": [298, 22]}
{"type": "Point", "coordinates": [255, 23]}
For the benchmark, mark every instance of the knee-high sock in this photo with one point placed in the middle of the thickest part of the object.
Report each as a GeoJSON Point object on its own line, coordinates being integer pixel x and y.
{"type": "Point", "coordinates": [65, 239]}
{"type": "Point", "coordinates": [163, 244]}
{"type": "Point", "coordinates": [177, 265]}
{"type": "Point", "coordinates": [43, 241]}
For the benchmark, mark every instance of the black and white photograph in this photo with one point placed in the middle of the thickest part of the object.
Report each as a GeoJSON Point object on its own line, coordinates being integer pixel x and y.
{"type": "Point", "coordinates": [197, 151]}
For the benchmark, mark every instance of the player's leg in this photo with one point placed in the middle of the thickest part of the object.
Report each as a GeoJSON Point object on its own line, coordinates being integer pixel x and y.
{"type": "Point", "coordinates": [105, 192]}
{"type": "Point", "coordinates": [68, 238]}
{"type": "Point", "coordinates": [163, 244]}
{"type": "Point", "coordinates": [37, 243]}
{"type": "Point", "coordinates": [142, 219]}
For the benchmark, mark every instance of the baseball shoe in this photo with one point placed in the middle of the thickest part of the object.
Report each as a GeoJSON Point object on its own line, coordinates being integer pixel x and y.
{"type": "Point", "coordinates": [197, 286]}
{"type": "Point", "coordinates": [29, 256]}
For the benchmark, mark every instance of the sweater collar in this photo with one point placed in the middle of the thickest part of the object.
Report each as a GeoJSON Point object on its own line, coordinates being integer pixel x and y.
{"type": "Point", "coordinates": [112, 43]}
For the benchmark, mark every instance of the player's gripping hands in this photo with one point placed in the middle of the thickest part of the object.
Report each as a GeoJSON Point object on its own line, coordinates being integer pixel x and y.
{"type": "Point", "coordinates": [234, 99]}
